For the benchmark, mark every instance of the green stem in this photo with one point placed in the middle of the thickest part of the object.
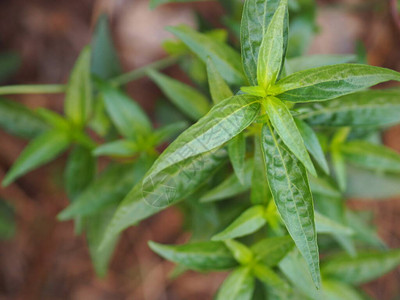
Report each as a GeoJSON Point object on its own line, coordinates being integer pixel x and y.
{"type": "Point", "coordinates": [140, 72]}
{"type": "Point", "coordinates": [32, 89]}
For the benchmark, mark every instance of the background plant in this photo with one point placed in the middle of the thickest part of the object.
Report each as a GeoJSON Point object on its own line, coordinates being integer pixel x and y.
{"type": "Point", "coordinates": [267, 130]}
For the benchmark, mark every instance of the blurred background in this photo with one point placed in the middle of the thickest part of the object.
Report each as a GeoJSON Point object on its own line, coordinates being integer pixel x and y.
{"type": "Point", "coordinates": [41, 258]}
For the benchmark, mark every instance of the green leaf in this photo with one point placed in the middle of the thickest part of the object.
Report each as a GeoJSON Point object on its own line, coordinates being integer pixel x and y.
{"type": "Point", "coordinates": [9, 62]}
{"type": "Point", "coordinates": [324, 224]}
{"type": "Point", "coordinates": [301, 63]}
{"type": "Point", "coordinates": [126, 114]}
{"type": "Point", "coordinates": [272, 280]}
{"type": "Point", "coordinates": [187, 99]}
{"type": "Point", "coordinates": [294, 268]}
{"type": "Point", "coordinates": [273, 47]}
{"type": "Point", "coordinates": [111, 186]}
{"type": "Point", "coordinates": [40, 151]}
{"type": "Point", "coordinates": [78, 97]}
{"type": "Point", "coordinates": [7, 221]}
{"type": "Point", "coordinates": [95, 226]}
{"type": "Point", "coordinates": [371, 156]}
{"type": "Point", "coordinates": [329, 82]}
{"type": "Point", "coordinates": [170, 185]}
{"type": "Point", "coordinates": [284, 124]}
{"type": "Point", "coordinates": [219, 90]}
{"type": "Point", "coordinates": [230, 187]}
{"type": "Point", "coordinates": [336, 290]}
{"type": "Point", "coordinates": [324, 186]}
{"type": "Point", "coordinates": [225, 59]}
{"type": "Point", "coordinates": [364, 184]}
{"type": "Point", "coordinates": [289, 186]}
{"type": "Point", "coordinates": [312, 144]}
{"type": "Point", "coordinates": [248, 222]}
{"type": "Point", "coordinates": [224, 121]}
{"type": "Point", "coordinates": [53, 119]}
{"type": "Point", "coordinates": [372, 108]}
{"type": "Point", "coordinates": [120, 148]}
{"type": "Point", "coordinates": [105, 62]}
{"type": "Point", "coordinates": [339, 166]}
{"type": "Point", "coordinates": [237, 155]}
{"type": "Point", "coordinates": [363, 231]}
{"type": "Point", "coordinates": [365, 267]}
{"type": "Point", "coordinates": [238, 286]}
{"type": "Point", "coordinates": [270, 251]}
{"type": "Point", "coordinates": [202, 256]}
{"type": "Point", "coordinates": [79, 171]}
{"type": "Point", "coordinates": [20, 121]}
{"type": "Point", "coordinates": [260, 191]}
{"type": "Point", "coordinates": [169, 131]}
{"type": "Point", "coordinates": [240, 252]}
{"type": "Point", "coordinates": [255, 20]}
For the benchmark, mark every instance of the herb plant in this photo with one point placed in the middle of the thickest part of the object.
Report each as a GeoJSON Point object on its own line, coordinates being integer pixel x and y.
{"type": "Point", "coordinates": [261, 174]}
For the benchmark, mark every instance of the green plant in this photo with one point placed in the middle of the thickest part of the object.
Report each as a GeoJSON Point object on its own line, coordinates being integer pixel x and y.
{"type": "Point", "coordinates": [284, 125]}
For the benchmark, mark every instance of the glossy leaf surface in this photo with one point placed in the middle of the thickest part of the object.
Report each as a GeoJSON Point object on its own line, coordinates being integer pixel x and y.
{"type": "Point", "coordinates": [202, 256]}
{"type": "Point", "coordinates": [329, 82]}
{"type": "Point", "coordinates": [289, 186]}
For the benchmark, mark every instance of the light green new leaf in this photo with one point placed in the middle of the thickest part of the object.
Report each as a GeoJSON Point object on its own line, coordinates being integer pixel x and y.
{"type": "Point", "coordinates": [239, 285]}
{"type": "Point", "coordinates": [270, 251]}
{"type": "Point", "coordinates": [225, 59]}
{"type": "Point", "coordinates": [79, 171]}
{"type": "Point", "coordinates": [327, 225]}
{"type": "Point", "coordinates": [255, 20]}
{"type": "Point", "coordinates": [111, 186]}
{"type": "Point", "coordinates": [201, 256]}
{"type": "Point", "coordinates": [372, 108]}
{"type": "Point", "coordinates": [126, 114]}
{"type": "Point", "coordinates": [187, 99]}
{"type": "Point", "coordinates": [273, 47]}
{"type": "Point", "coordinates": [336, 290]}
{"type": "Point", "coordinates": [240, 252]}
{"type": "Point", "coordinates": [95, 226]}
{"type": "Point", "coordinates": [18, 120]}
{"type": "Point", "coordinates": [301, 63]}
{"type": "Point", "coordinates": [170, 185]}
{"type": "Point", "coordinates": [371, 156]}
{"type": "Point", "coordinates": [248, 222]}
{"type": "Point", "coordinates": [78, 97]}
{"type": "Point", "coordinates": [339, 166]}
{"type": "Point", "coordinates": [237, 155]}
{"type": "Point", "coordinates": [219, 90]}
{"type": "Point", "coordinates": [329, 82]}
{"type": "Point", "coordinates": [365, 267]}
{"type": "Point", "coordinates": [105, 62]}
{"type": "Point", "coordinates": [312, 144]}
{"type": "Point", "coordinates": [284, 124]}
{"type": "Point", "coordinates": [122, 148]}
{"type": "Point", "coordinates": [224, 121]}
{"type": "Point", "coordinates": [288, 181]}
{"type": "Point", "coordinates": [54, 119]}
{"type": "Point", "coordinates": [260, 191]}
{"type": "Point", "coordinates": [41, 150]}
{"type": "Point", "coordinates": [231, 186]}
